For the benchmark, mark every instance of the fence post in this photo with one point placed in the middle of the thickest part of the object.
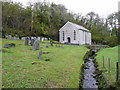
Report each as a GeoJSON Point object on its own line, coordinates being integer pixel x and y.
{"type": "Point", "coordinates": [108, 65]}
{"type": "Point", "coordinates": [117, 71]}
{"type": "Point", "coordinates": [103, 62]}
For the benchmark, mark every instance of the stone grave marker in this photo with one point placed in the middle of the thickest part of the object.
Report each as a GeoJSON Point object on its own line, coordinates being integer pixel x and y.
{"type": "Point", "coordinates": [32, 42]}
{"type": "Point", "coordinates": [34, 47]}
{"type": "Point", "coordinates": [46, 45]}
{"type": "Point", "coordinates": [14, 38]}
{"type": "Point", "coordinates": [40, 54]}
{"type": "Point", "coordinates": [42, 39]}
{"type": "Point", "coordinates": [45, 38]}
{"type": "Point", "coordinates": [38, 38]}
{"type": "Point", "coordinates": [9, 37]}
{"type": "Point", "coordinates": [6, 36]}
{"type": "Point", "coordinates": [6, 45]}
{"type": "Point", "coordinates": [26, 41]}
{"type": "Point", "coordinates": [37, 44]}
{"type": "Point", "coordinates": [23, 38]}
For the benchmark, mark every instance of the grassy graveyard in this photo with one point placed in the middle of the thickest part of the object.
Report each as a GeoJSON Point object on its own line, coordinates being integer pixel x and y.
{"type": "Point", "coordinates": [59, 67]}
{"type": "Point", "coordinates": [111, 53]}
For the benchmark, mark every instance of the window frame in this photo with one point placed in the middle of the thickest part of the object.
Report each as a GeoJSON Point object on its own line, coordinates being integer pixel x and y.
{"type": "Point", "coordinates": [74, 35]}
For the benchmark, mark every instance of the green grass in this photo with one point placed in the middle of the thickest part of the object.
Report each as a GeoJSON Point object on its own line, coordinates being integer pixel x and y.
{"type": "Point", "coordinates": [62, 71]}
{"type": "Point", "coordinates": [111, 53]}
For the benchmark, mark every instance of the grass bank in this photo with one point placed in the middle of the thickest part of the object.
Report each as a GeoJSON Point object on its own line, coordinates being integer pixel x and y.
{"type": "Point", "coordinates": [62, 71]}
{"type": "Point", "coordinates": [111, 53]}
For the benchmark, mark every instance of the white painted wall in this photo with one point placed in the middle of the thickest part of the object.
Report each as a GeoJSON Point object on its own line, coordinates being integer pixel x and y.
{"type": "Point", "coordinates": [82, 37]}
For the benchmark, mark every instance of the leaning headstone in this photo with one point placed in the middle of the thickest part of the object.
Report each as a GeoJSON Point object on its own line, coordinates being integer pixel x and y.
{"type": "Point", "coordinates": [40, 55]}
{"type": "Point", "coordinates": [6, 45]}
{"type": "Point", "coordinates": [32, 42]}
{"type": "Point", "coordinates": [26, 41]}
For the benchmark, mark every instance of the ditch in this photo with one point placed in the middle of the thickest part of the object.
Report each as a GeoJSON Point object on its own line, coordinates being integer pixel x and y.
{"type": "Point", "coordinates": [92, 77]}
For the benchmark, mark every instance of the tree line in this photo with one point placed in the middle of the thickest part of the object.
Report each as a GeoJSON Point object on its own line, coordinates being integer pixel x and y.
{"type": "Point", "coordinates": [45, 19]}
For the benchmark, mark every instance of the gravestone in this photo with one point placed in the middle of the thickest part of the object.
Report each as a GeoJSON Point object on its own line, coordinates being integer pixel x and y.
{"type": "Point", "coordinates": [42, 39]}
{"type": "Point", "coordinates": [38, 38]}
{"type": "Point", "coordinates": [37, 44]}
{"type": "Point", "coordinates": [6, 45]}
{"type": "Point", "coordinates": [34, 47]}
{"type": "Point", "coordinates": [32, 37]}
{"type": "Point", "coordinates": [47, 45]}
{"type": "Point", "coordinates": [35, 38]}
{"type": "Point", "coordinates": [9, 37]}
{"type": "Point", "coordinates": [26, 41]}
{"type": "Point", "coordinates": [6, 36]}
{"type": "Point", "coordinates": [40, 54]}
{"type": "Point", "coordinates": [32, 42]}
{"type": "Point", "coordinates": [14, 38]}
{"type": "Point", "coordinates": [45, 38]}
{"type": "Point", "coordinates": [23, 38]}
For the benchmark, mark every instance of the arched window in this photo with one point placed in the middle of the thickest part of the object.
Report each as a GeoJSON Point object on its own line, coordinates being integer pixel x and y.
{"type": "Point", "coordinates": [63, 35]}
{"type": "Point", "coordinates": [74, 35]}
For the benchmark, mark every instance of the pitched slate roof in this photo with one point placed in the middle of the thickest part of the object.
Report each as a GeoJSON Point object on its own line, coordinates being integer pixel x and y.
{"type": "Point", "coordinates": [78, 26]}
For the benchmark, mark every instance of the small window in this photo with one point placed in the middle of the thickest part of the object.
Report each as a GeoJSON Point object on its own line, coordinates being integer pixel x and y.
{"type": "Point", "coordinates": [63, 35]}
{"type": "Point", "coordinates": [74, 35]}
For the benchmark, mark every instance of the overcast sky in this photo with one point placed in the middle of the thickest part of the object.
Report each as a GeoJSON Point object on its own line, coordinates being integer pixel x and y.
{"type": "Point", "coordinates": [102, 7]}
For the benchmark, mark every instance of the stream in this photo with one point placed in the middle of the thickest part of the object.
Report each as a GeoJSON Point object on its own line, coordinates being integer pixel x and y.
{"type": "Point", "coordinates": [89, 80]}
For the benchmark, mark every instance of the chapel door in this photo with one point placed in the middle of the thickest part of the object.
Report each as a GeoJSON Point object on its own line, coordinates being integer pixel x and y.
{"type": "Point", "coordinates": [68, 39]}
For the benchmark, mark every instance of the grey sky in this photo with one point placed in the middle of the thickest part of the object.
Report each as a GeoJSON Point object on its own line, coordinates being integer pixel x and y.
{"type": "Point", "coordinates": [102, 7]}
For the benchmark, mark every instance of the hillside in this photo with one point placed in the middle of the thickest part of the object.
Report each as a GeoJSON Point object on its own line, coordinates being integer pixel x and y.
{"type": "Point", "coordinates": [22, 69]}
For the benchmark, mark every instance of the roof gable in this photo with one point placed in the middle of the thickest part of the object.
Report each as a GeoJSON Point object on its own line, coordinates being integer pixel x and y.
{"type": "Point", "coordinates": [79, 27]}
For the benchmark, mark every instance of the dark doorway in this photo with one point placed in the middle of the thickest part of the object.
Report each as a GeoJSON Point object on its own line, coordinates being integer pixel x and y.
{"type": "Point", "coordinates": [68, 39]}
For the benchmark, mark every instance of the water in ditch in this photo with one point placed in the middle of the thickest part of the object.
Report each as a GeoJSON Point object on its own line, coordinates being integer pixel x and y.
{"type": "Point", "coordinates": [89, 80]}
